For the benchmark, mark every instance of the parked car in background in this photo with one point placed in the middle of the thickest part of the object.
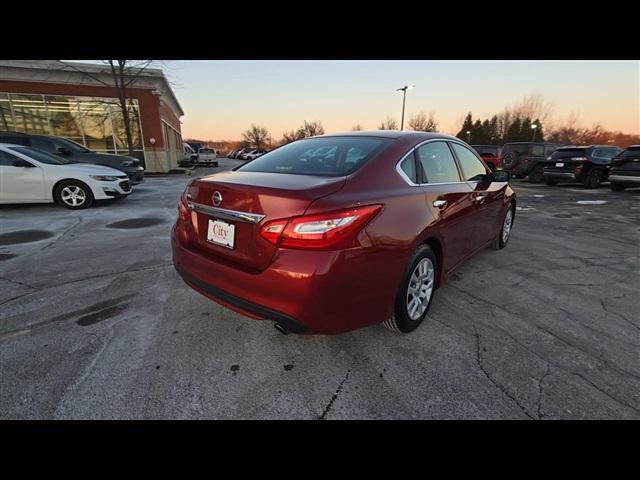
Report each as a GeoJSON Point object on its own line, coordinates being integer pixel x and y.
{"type": "Point", "coordinates": [588, 165]}
{"type": "Point", "coordinates": [625, 169]}
{"type": "Point", "coordinates": [364, 238]}
{"type": "Point", "coordinates": [490, 154]}
{"type": "Point", "coordinates": [207, 156]}
{"type": "Point", "coordinates": [231, 153]}
{"type": "Point", "coordinates": [75, 153]}
{"type": "Point", "coordinates": [253, 154]}
{"type": "Point", "coordinates": [527, 159]}
{"type": "Point", "coordinates": [190, 156]}
{"type": "Point", "coordinates": [29, 175]}
{"type": "Point", "coordinates": [242, 151]}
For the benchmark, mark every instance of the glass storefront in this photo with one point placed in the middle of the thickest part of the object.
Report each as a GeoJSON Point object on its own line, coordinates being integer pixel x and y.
{"type": "Point", "coordinates": [96, 123]}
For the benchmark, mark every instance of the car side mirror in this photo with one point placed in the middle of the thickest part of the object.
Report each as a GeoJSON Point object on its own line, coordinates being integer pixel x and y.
{"type": "Point", "coordinates": [63, 151]}
{"type": "Point", "coordinates": [22, 164]}
{"type": "Point", "coordinates": [500, 176]}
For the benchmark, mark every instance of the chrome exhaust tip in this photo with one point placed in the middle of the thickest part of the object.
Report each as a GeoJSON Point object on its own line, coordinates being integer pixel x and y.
{"type": "Point", "coordinates": [280, 328]}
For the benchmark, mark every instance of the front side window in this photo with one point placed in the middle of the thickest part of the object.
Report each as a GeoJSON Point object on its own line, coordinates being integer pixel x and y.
{"type": "Point", "coordinates": [437, 163]}
{"type": "Point", "coordinates": [328, 156]}
{"type": "Point", "coordinates": [40, 156]}
{"type": "Point", "coordinates": [472, 168]}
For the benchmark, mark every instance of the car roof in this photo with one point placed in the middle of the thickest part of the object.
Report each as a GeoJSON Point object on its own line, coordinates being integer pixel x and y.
{"type": "Point", "coordinates": [567, 147]}
{"type": "Point", "coordinates": [3, 144]}
{"type": "Point", "coordinates": [393, 134]}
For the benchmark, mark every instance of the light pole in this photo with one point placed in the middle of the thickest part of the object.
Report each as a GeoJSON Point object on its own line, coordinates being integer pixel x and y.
{"type": "Point", "coordinates": [533, 127]}
{"type": "Point", "coordinates": [469, 136]}
{"type": "Point", "coordinates": [404, 98]}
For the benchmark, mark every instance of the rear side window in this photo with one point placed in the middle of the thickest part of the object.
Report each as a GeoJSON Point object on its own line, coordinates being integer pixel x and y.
{"type": "Point", "coordinates": [603, 153]}
{"type": "Point", "coordinates": [472, 169]}
{"type": "Point", "coordinates": [537, 150]}
{"type": "Point", "coordinates": [631, 153]}
{"type": "Point", "coordinates": [6, 159]}
{"type": "Point", "coordinates": [43, 144]}
{"type": "Point", "coordinates": [329, 156]}
{"type": "Point", "coordinates": [408, 166]}
{"type": "Point", "coordinates": [437, 163]}
{"type": "Point", "coordinates": [569, 153]}
{"type": "Point", "coordinates": [520, 149]}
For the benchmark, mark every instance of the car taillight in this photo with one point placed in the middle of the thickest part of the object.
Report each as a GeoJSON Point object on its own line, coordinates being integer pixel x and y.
{"type": "Point", "coordinates": [325, 231]}
{"type": "Point", "coordinates": [184, 214]}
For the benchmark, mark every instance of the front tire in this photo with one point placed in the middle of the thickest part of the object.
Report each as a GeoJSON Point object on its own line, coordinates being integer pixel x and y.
{"type": "Point", "coordinates": [73, 194]}
{"type": "Point", "coordinates": [415, 293]}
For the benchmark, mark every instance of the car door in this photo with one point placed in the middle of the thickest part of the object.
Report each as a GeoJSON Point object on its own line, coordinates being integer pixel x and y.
{"type": "Point", "coordinates": [487, 195]}
{"type": "Point", "coordinates": [449, 198]}
{"type": "Point", "coordinates": [20, 179]}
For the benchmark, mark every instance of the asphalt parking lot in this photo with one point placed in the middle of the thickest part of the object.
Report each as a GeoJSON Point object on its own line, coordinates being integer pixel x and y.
{"type": "Point", "coordinates": [95, 323]}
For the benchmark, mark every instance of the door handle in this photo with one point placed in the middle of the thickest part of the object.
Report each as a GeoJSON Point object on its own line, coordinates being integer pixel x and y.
{"type": "Point", "coordinates": [440, 203]}
{"type": "Point", "coordinates": [480, 198]}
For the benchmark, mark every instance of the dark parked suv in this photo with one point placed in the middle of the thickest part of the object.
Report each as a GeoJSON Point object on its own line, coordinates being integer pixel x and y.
{"type": "Point", "coordinates": [526, 159]}
{"type": "Point", "coordinates": [625, 169]}
{"type": "Point", "coordinates": [588, 165]}
{"type": "Point", "coordinates": [76, 153]}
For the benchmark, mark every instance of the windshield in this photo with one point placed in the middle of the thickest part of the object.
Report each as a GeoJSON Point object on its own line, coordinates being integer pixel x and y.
{"type": "Point", "coordinates": [330, 156]}
{"type": "Point", "coordinates": [41, 156]}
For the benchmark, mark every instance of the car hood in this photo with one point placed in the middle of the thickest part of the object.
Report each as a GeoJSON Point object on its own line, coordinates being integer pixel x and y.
{"type": "Point", "coordinates": [91, 169]}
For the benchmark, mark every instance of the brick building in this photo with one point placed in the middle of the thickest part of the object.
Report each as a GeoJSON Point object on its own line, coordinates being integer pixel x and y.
{"type": "Point", "coordinates": [54, 98]}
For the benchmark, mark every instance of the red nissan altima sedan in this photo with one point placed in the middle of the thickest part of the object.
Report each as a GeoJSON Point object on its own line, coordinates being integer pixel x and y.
{"type": "Point", "coordinates": [337, 232]}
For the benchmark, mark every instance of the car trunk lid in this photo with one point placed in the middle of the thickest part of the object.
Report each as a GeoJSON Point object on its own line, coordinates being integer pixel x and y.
{"type": "Point", "coordinates": [247, 200]}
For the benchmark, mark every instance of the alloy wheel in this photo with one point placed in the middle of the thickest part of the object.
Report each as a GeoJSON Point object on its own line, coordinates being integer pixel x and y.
{"type": "Point", "coordinates": [420, 289]}
{"type": "Point", "coordinates": [73, 195]}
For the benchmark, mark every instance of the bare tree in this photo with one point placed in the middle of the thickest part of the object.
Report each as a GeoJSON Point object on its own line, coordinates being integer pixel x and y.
{"type": "Point", "coordinates": [257, 135]}
{"type": "Point", "coordinates": [421, 123]}
{"type": "Point", "coordinates": [356, 128]}
{"type": "Point", "coordinates": [310, 129]}
{"type": "Point", "coordinates": [124, 75]}
{"type": "Point", "coordinates": [388, 124]}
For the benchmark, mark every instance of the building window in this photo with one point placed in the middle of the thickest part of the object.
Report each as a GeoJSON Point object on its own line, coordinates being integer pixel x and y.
{"type": "Point", "coordinates": [94, 122]}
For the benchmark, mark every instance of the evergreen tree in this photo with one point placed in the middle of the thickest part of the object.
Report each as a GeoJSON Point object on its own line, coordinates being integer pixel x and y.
{"type": "Point", "coordinates": [467, 126]}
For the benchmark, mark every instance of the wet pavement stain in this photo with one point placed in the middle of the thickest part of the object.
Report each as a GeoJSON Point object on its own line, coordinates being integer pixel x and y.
{"type": "Point", "coordinates": [6, 256]}
{"type": "Point", "coordinates": [289, 367]}
{"type": "Point", "coordinates": [24, 236]}
{"type": "Point", "coordinates": [234, 369]}
{"type": "Point", "coordinates": [101, 315]}
{"type": "Point", "coordinates": [142, 222]}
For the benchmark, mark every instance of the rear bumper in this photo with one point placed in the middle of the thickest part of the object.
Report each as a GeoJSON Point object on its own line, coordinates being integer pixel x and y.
{"type": "Point", "coordinates": [305, 291]}
{"type": "Point", "coordinates": [631, 180]}
{"type": "Point", "coordinates": [567, 176]}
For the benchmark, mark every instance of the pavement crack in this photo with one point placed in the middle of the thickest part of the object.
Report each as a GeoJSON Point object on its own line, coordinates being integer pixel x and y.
{"type": "Point", "coordinates": [541, 391]}
{"type": "Point", "coordinates": [63, 234]}
{"type": "Point", "coordinates": [494, 382]}
{"type": "Point", "coordinates": [92, 277]}
{"type": "Point", "coordinates": [18, 283]}
{"type": "Point", "coordinates": [334, 396]}
{"type": "Point", "coordinates": [619, 315]}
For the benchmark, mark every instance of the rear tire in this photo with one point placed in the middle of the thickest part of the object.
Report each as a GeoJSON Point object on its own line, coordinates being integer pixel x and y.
{"type": "Point", "coordinates": [73, 194]}
{"type": "Point", "coordinates": [593, 179]}
{"type": "Point", "coordinates": [617, 187]}
{"type": "Point", "coordinates": [415, 293]}
{"type": "Point", "coordinates": [536, 175]}
{"type": "Point", "coordinates": [507, 225]}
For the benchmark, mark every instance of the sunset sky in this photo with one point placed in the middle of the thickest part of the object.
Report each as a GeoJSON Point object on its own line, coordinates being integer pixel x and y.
{"type": "Point", "coordinates": [222, 98]}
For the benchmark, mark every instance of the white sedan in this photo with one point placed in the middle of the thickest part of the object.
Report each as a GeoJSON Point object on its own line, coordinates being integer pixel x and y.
{"type": "Point", "coordinates": [29, 175]}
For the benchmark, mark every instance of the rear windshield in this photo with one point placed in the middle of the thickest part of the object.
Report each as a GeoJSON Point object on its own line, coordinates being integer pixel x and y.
{"type": "Point", "coordinates": [569, 152]}
{"type": "Point", "coordinates": [330, 156]}
{"type": "Point", "coordinates": [206, 150]}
